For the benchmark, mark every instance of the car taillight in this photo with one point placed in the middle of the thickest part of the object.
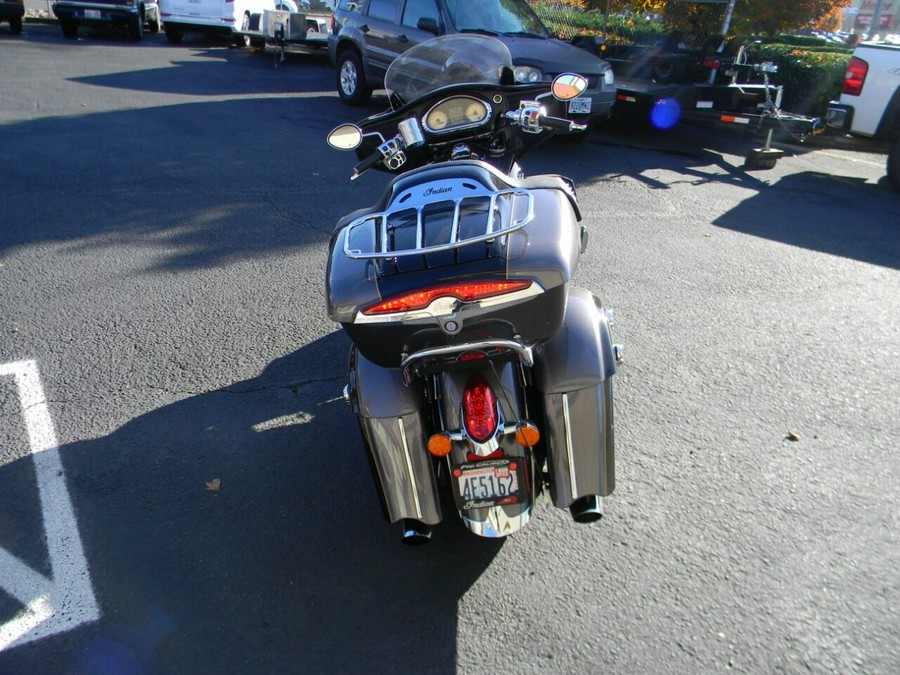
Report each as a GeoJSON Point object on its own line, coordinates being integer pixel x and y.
{"type": "Point", "coordinates": [855, 77]}
{"type": "Point", "coordinates": [479, 409]}
{"type": "Point", "coordinates": [466, 292]}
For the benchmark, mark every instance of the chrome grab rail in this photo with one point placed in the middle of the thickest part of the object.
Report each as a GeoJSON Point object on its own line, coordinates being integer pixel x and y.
{"type": "Point", "coordinates": [525, 353]}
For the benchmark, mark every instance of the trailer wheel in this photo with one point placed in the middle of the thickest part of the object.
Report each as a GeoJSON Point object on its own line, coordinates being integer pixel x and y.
{"type": "Point", "coordinates": [893, 166]}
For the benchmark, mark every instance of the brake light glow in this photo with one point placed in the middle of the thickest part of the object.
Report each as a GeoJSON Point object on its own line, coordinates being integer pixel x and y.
{"type": "Point", "coordinates": [855, 77]}
{"type": "Point", "coordinates": [479, 409]}
{"type": "Point", "coordinates": [469, 291]}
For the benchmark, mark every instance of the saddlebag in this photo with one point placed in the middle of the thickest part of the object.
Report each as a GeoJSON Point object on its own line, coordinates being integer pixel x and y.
{"type": "Point", "coordinates": [573, 372]}
{"type": "Point", "coordinates": [392, 418]}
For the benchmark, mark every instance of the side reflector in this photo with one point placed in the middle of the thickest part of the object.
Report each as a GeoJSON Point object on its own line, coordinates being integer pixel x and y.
{"type": "Point", "coordinates": [527, 434]}
{"type": "Point", "coordinates": [440, 445]}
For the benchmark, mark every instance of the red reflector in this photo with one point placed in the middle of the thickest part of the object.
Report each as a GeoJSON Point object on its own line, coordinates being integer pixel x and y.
{"type": "Point", "coordinates": [855, 77]}
{"type": "Point", "coordinates": [479, 409]}
{"type": "Point", "coordinates": [466, 292]}
{"type": "Point", "coordinates": [465, 357]}
{"type": "Point", "coordinates": [712, 64]}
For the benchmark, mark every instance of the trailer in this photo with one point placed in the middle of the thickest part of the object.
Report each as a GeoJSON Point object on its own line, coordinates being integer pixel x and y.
{"type": "Point", "coordinates": [283, 31]}
{"type": "Point", "coordinates": [715, 85]}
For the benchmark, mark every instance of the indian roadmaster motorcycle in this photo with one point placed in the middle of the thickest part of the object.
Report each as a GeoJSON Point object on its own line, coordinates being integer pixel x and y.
{"type": "Point", "coordinates": [481, 378]}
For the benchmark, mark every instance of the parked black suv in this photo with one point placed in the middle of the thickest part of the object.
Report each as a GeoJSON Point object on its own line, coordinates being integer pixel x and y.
{"type": "Point", "coordinates": [369, 34]}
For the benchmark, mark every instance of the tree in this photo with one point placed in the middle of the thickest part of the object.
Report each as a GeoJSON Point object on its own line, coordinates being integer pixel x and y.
{"type": "Point", "coordinates": [751, 17]}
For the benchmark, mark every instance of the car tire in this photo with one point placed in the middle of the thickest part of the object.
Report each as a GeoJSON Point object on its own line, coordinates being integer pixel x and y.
{"type": "Point", "coordinates": [136, 26]}
{"type": "Point", "coordinates": [154, 24]}
{"type": "Point", "coordinates": [174, 35]}
{"type": "Point", "coordinates": [69, 28]}
{"type": "Point", "coordinates": [15, 26]}
{"type": "Point", "coordinates": [351, 80]}
{"type": "Point", "coordinates": [893, 166]}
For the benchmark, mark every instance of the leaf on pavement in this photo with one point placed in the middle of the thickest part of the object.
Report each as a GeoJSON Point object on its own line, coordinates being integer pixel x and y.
{"type": "Point", "coordinates": [791, 436]}
{"type": "Point", "coordinates": [214, 485]}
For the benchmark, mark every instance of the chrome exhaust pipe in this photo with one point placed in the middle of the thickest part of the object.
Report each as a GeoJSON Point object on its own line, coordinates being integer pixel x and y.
{"type": "Point", "coordinates": [588, 509]}
{"type": "Point", "coordinates": [415, 532]}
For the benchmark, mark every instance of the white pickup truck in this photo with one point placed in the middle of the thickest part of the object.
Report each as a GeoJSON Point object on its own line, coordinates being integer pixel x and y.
{"type": "Point", "coordinates": [869, 107]}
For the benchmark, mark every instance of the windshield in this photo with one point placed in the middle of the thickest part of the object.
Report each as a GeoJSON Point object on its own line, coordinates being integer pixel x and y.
{"type": "Point", "coordinates": [500, 17]}
{"type": "Point", "coordinates": [446, 60]}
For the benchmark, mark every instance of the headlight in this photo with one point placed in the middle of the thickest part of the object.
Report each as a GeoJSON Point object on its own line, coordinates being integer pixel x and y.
{"type": "Point", "coordinates": [527, 74]}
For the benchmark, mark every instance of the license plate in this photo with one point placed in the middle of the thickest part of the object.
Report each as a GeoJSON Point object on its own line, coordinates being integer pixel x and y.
{"type": "Point", "coordinates": [580, 105]}
{"type": "Point", "coordinates": [92, 14]}
{"type": "Point", "coordinates": [489, 483]}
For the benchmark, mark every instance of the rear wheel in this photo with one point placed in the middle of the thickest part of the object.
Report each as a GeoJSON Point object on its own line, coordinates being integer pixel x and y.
{"type": "Point", "coordinates": [351, 81]}
{"type": "Point", "coordinates": [893, 166]}
{"type": "Point", "coordinates": [136, 26]}
{"type": "Point", "coordinates": [69, 28]}
{"type": "Point", "coordinates": [173, 35]}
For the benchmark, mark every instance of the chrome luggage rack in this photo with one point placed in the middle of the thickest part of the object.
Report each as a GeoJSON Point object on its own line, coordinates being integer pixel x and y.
{"type": "Point", "coordinates": [419, 221]}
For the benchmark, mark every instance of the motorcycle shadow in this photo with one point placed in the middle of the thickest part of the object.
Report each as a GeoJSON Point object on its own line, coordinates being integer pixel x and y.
{"type": "Point", "coordinates": [238, 530]}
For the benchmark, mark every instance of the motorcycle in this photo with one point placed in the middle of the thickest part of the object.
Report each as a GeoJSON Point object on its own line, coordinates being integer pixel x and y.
{"type": "Point", "coordinates": [481, 378]}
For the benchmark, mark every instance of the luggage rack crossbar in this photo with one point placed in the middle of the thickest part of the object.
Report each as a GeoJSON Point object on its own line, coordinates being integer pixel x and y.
{"type": "Point", "coordinates": [508, 210]}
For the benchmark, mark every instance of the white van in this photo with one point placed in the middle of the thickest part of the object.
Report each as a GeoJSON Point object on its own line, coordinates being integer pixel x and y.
{"type": "Point", "coordinates": [211, 17]}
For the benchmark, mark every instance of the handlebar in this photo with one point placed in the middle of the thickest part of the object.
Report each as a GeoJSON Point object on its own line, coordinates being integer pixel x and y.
{"type": "Point", "coordinates": [367, 164]}
{"type": "Point", "coordinates": [531, 117]}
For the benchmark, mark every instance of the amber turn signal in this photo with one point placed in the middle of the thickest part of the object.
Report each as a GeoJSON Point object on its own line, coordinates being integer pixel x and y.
{"type": "Point", "coordinates": [439, 445]}
{"type": "Point", "coordinates": [527, 434]}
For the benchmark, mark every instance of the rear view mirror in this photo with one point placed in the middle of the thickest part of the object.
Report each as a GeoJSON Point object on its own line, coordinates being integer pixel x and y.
{"type": "Point", "coordinates": [345, 137]}
{"type": "Point", "coordinates": [568, 85]}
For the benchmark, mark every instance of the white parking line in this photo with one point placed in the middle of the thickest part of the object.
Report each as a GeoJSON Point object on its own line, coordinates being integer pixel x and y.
{"type": "Point", "coordinates": [67, 599]}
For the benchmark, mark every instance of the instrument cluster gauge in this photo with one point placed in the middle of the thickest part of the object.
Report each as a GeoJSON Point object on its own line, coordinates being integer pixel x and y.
{"type": "Point", "coordinates": [475, 112]}
{"type": "Point", "coordinates": [458, 112]}
{"type": "Point", "coordinates": [436, 120]}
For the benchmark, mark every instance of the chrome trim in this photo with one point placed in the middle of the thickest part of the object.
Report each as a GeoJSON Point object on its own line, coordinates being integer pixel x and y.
{"type": "Point", "coordinates": [497, 523]}
{"type": "Point", "coordinates": [570, 452]}
{"type": "Point", "coordinates": [525, 353]}
{"type": "Point", "coordinates": [411, 133]}
{"type": "Point", "coordinates": [423, 195]}
{"type": "Point", "coordinates": [489, 111]}
{"type": "Point", "coordinates": [409, 467]}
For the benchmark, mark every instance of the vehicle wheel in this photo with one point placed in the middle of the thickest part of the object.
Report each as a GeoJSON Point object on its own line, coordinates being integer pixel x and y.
{"type": "Point", "coordinates": [173, 35]}
{"type": "Point", "coordinates": [15, 25]}
{"type": "Point", "coordinates": [136, 26]}
{"type": "Point", "coordinates": [69, 29]}
{"type": "Point", "coordinates": [351, 81]}
{"type": "Point", "coordinates": [893, 166]}
{"type": "Point", "coordinates": [154, 24]}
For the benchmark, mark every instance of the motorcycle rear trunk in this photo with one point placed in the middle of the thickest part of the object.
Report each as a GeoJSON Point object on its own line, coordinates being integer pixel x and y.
{"type": "Point", "coordinates": [543, 348]}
